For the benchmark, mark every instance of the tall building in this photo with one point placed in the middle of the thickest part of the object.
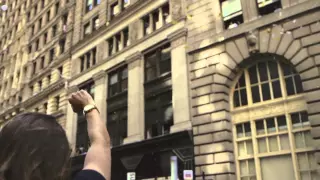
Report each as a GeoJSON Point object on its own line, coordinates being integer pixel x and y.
{"type": "Point", "coordinates": [35, 57]}
{"type": "Point", "coordinates": [229, 87]}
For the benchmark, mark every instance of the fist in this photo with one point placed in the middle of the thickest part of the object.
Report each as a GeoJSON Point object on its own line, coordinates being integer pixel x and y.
{"type": "Point", "coordinates": [79, 100]}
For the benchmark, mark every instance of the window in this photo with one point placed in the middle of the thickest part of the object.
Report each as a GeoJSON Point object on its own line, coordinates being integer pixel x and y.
{"type": "Point", "coordinates": [231, 13]}
{"type": "Point", "coordinates": [114, 8]}
{"type": "Point", "coordinates": [54, 30]}
{"type": "Point", "coordinates": [156, 19]}
{"type": "Point", "coordinates": [57, 6]}
{"type": "Point", "coordinates": [118, 82]}
{"type": "Point", "coordinates": [60, 70]}
{"type": "Point", "coordinates": [40, 22]}
{"type": "Point", "coordinates": [42, 62]}
{"type": "Point", "coordinates": [96, 23]}
{"type": "Point", "coordinates": [88, 59]}
{"type": "Point", "coordinates": [158, 63]}
{"type": "Point", "coordinates": [34, 67]}
{"type": "Point", "coordinates": [45, 107]}
{"type": "Point", "coordinates": [65, 19]}
{"type": "Point", "coordinates": [87, 29]}
{"type": "Point", "coordinates": [40, 85]}
{"type": "Point", "coordinates": [42, 3]}
{"type": "Point", "coordinates": [268, 6]}
{"type": "Point", "coordinates": [45, 38]}
{"type": "Point", "coordinates": [117, 105]}
{"type": "Point", "coordinates": [28, 16]}
{"type": "Point", "coordinates": [117, 126]}
{"type": "Point", "coordinates": [48, 16]}
{"type": "Point", "coordinates": [276, 137]}
{"type": "Point", "coordinates": [118, 42]}
{"type": "Point", "coordinates": [62, 44]}
{"type": "Point", "coordinates": [51, 55]}
{"type": "Point", "coordinates": [49, 78]}
{"type": "Point", "coordinates": [30, 49]}
{"type": "Point", "coordinates": [57, 101]}
{"type": "Point", "coordinates": [89, 5]}
{"type": "Point", "coordinates": [83, 142]}
{"type": "Point", "coordinates": [158, 114]}
{"type": "Point", "coordinates": [265, 81]}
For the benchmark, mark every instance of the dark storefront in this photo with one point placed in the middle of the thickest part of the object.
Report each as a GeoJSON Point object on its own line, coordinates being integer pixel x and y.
{"type": "Point", "coordinates": [149, 158]}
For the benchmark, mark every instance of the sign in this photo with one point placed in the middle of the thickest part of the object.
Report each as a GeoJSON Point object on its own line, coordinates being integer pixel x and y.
{"type": "Point", "coordinates": [187, 174]}
{"type": "Point", "coordinates": [131, 176]}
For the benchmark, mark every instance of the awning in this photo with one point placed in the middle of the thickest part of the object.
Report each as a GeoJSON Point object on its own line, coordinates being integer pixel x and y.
{"type": "Point", "coordinates": [157, 144]}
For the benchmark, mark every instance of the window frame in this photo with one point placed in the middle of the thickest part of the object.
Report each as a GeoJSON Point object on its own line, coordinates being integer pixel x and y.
{"type": "Point", "coordinates": [119, 73]}
{"type": "Point", "coordinates": [254, 113]}
{"type": "Point", "coordinates": [158, 59]}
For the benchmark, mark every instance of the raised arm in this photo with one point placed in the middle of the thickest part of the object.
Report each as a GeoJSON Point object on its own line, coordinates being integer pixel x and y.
{"type": "Point", "coordinates": [98, 157]}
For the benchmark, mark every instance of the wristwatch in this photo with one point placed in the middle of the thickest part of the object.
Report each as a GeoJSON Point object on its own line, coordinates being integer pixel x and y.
{"type": "Point", "coordinates": [88, 108]}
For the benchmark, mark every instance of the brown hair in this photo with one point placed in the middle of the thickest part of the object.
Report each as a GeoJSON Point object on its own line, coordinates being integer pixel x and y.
{"type": "Point", "coordinates": [33, 146]}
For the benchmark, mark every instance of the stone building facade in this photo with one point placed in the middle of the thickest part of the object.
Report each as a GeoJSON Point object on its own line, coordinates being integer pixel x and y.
{"type": "Point", "coordinates": [243, 128]}
{"type": "Point", "coordinates": [230, 87]}
{"type": "Point", "coordinates": [35, 59]}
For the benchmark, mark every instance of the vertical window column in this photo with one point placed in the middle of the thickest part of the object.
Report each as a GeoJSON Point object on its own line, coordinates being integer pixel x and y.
{"type": "Point", "coordinates": [179, 74]}
{"type": "Point", "coordinates": [136, 100]}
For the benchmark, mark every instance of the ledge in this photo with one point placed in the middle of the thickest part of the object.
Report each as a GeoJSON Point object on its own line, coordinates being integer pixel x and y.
{"type": "Point", "coordinates": [51, 88]}
{"type": "Point", "coordinates": [255, 24]}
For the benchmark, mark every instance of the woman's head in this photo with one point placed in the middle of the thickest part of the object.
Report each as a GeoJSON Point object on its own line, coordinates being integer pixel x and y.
{"type": "Point", "coordinates": [33, 146]}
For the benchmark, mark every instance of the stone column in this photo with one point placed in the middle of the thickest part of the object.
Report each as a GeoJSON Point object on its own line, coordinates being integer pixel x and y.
{"type": "Point", "coordinates": [135, 31]}
{"type": "Point", "coordinates": [71, 122]}
{"type": "Point", "coordinates": [36, 88]}
{"type": "Point", "coordinates": [100, 95]}
{"type": "Point", "coordinates": [217, 13]}
{"type": "Point", "coordinates": [102, 51]}
{"type": "Point", "coordinates": [78, 12]}
{"type": "Point", "coordinates": [135, 98]}
{"type": "Point", "coordinates": [180, 82]}
{"type": "Point", "coordinates": [251, 8]}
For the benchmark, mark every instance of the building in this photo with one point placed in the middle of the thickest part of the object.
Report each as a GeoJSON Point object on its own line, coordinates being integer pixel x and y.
{"type": "Point", "coordinates": [35, 57]}
{"type": "Point", "coordinates": [230, 87]}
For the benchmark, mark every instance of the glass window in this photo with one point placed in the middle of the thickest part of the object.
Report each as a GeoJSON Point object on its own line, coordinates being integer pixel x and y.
{"type": "Point", "coordinates": [158, 63]}
{"type": "Point", "coordinates": [231, 13]}
{"type": "Point", "coordinates": [268, 6]}
{"type": "Point", "coordinates": [264, 80]}
{"type": "Point", "coordinates": [118, 81]}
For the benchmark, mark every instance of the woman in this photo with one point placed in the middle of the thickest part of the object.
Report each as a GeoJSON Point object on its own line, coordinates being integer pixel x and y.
{"type": "Point", "coordinates": [34, 146]}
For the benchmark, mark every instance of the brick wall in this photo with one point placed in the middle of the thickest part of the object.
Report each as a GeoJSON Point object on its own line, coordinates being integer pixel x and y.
{"type": "Point", "coordinates": [212, 71]}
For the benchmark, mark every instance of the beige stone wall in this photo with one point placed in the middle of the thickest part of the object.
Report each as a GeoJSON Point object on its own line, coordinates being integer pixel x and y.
{"type": "Point", "coordinates": [213, 69]}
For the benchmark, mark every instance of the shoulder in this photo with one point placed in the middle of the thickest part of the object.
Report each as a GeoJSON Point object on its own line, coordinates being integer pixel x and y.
{"type": "Point", "coordinates": [88, 175]}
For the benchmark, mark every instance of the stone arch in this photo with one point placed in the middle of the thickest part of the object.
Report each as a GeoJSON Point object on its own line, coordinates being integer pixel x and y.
{"type": "Point", "coordinates": [282, 45]}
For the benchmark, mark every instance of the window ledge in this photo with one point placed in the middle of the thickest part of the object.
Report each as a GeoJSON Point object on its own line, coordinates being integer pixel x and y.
{"type": "Point", "coordinates": [164, 76]}
{"type": "Point", "coordinates": [117, 95]}
{"type": "Point", "coordinates": [255, 24]}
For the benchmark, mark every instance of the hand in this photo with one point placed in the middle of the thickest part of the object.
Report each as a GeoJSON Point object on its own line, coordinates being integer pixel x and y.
{"type": "Point", "coordinates": [79, 100]}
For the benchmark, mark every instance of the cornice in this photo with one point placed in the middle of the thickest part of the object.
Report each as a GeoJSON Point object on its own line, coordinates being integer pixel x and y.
{"type": "Point", "coordinates": [134, 57]}
{"type": "Point", "coordinates": [51, 88]}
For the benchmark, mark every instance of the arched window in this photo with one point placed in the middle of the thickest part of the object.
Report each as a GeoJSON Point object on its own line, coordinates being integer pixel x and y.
{"type": "Point", "coordinates": [271, 129]}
